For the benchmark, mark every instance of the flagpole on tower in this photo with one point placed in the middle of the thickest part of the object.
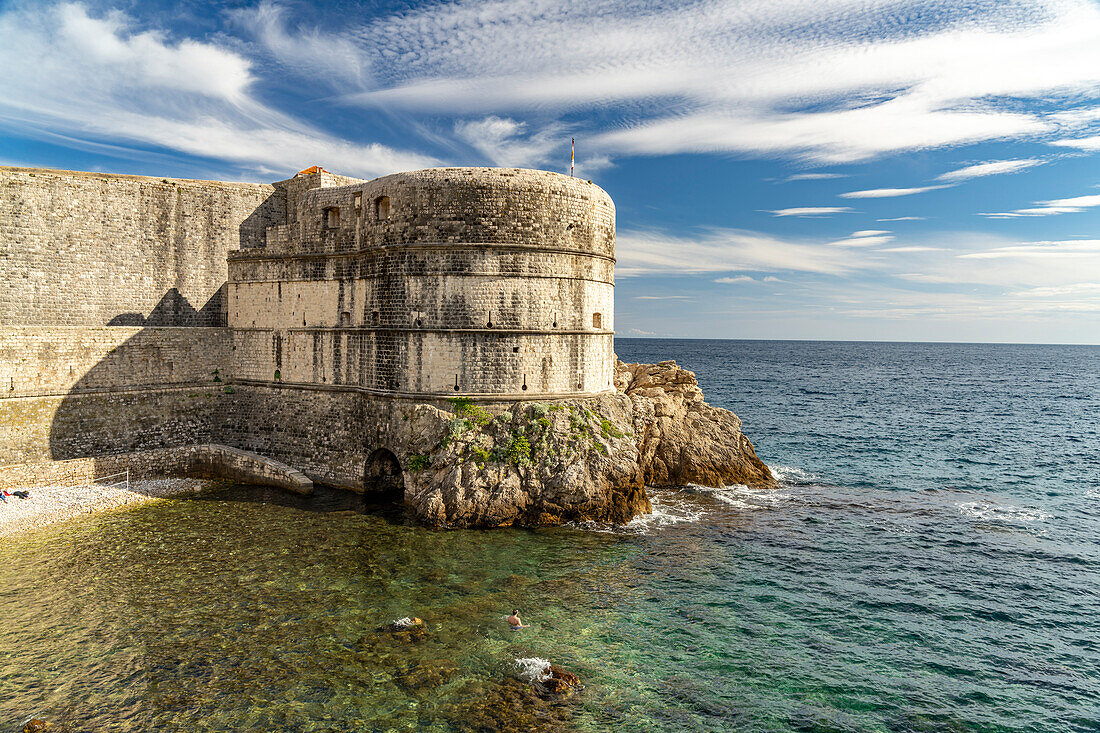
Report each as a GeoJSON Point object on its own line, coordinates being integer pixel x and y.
{"type": "Point", "coordinates": [572, 154]}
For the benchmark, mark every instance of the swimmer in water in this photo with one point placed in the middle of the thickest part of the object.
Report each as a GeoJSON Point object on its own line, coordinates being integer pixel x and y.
{"type": "Point", "coordinates": [515, 623]}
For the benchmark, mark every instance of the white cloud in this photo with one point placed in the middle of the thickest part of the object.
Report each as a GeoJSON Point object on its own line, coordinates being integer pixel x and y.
{"type": "Point", "coordinates": [812, 211]}
{"type": "Point", "coordinates": [814, 177]}
{"type": "Point", "coordinates": [323, 57]}
{"type": "Point", "coordinates": [1060, 290]}
{"type": "Point", "coordinates": [989, 168]}
{"type": "Point", "coordinates": [507, 142]}
{"type": "Point", "coordinates": [726, 250]}
{"type": "Point", "coordinates": [870, 233]}
{"type": "Point", "coordinates": [903, 218]}
{"type": "Point", "coordinates": [735, 280]}
{"type": "Point", "coordinates": [864, 239]}
{"type": "Point", "coordinates": [882, 193]}
{"type": "Point", "coordinates": [664, 297]}
{"type": "Point", "coordinates": [835, 80]}
{"type": "Point", "coordinates": [1082, 143]}
{"type": "Point", "coordinates": [98, 78]}
{"type": "Point", "coordinates": [1069, 249]}
{"type": "Point", "coordinates": [910, 249]}
{"type": "Point", "coordinates": [1074, 205]}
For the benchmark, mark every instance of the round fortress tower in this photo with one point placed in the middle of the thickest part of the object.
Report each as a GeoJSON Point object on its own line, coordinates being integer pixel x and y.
{"type": "Point", "coordinates": [492, 282]}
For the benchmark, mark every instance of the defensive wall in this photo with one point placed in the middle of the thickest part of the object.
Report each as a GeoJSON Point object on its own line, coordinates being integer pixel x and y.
{"type": "Point", "coordinates": [346, 302]}
{"type": "Point", "coordinates": [112, 309]}
{"type": "Point", "coordinates": [489, 282]}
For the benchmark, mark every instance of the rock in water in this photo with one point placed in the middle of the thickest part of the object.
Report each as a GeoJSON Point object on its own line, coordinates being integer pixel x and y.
{"type": "Point", "coordinates": [560, 682]}
{"type": "Point", "coordinates": [36, 725]}
{"type": "Point", "coordinates": [681, 439]}
{"type": "Point", "coordinates": [542, 463]}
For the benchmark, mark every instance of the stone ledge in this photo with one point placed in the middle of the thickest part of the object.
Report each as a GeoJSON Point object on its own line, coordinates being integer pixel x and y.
{"type": "Point", "coordinates": [206, 460]}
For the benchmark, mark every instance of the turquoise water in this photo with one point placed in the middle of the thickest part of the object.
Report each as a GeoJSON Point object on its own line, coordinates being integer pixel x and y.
{"type": "Point", "coordinates": [930, 563]}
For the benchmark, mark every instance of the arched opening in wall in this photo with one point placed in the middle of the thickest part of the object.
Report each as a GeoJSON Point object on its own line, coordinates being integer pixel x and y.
{"type": "Point", "coordinates": [382, 208]}
{"type": "Point", "coordinates": [597, 320]}
{"type": "Point", "coordinates": [345, 319]}
{"type": "Point", "coordinates": [382, 479]}
{"type": "Point", "coordinates": [332, 217]}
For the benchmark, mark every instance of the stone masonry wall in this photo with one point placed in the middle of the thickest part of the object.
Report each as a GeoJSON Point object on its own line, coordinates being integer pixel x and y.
{"type": "Point", "coordinates": [480, 281]}
{"type": "Point", "coordinates": [90, 249]}
{"type": "Point", "coordinates": [73, 392]}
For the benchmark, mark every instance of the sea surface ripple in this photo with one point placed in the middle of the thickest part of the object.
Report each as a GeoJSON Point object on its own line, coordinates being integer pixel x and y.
{"type": "Point", "coordinates": [929, 562]}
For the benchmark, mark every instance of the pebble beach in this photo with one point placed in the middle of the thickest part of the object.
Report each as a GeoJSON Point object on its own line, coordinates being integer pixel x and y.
{"type": "Point", "coordinates": [50, 504]}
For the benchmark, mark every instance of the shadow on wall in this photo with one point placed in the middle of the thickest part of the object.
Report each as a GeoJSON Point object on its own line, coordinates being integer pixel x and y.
{"type": "Point", "coordinates": [175, 310]}
{"type": "Point", "coordinates": [156, 387]}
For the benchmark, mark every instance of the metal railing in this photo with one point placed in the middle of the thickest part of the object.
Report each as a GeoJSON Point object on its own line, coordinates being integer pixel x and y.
{"type": "Point", "coordinates": [124, 482]}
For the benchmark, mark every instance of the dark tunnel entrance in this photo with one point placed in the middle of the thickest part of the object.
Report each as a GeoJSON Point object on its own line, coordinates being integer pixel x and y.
{"type": "Point", "coordinates": [382, 481]}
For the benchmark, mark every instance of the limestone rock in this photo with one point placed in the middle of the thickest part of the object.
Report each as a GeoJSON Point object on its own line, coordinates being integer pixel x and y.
{"type": "Point", "coordinates": [681, 439]}
{"type": "Point", "coordinates": [561, 682]}
{"type": "Point", "coordinates": [545, 463]}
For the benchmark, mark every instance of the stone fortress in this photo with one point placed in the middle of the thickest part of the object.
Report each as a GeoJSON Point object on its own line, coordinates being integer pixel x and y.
{"type": "Point", "coordinates": [488, 282]}
{"type": "Point", "coordinates": [444, 336]}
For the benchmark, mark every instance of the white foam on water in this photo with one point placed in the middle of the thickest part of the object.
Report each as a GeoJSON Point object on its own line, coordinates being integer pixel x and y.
{"type": "Point", "coordinates": [989, 512]}
{"type": "Point", "coordinates": [740, 496]}
{"type": "Point", "coordinates": [791, 475]}
{"type": "Point", "coordinates": [532, 669]}
{"type": "Point", "coordinates": [403, 623]}
{"type": "Point", "coordinates": [668, 509]}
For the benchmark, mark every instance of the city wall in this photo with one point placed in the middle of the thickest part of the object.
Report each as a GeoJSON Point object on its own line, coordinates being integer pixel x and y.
{"type": "Point", "coordinates": [113, 294]}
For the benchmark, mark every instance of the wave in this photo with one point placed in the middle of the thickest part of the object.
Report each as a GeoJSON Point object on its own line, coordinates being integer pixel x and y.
{"type": "Point", "coordinates": [532, 669]}
{"type": "Point", "coordinates": [987, 511]}
{"type": "Point", "coordinates": [793, 476]}
{"type": "Point", "coordinates": [740, 496]}
{"type": "Point", "coordinates": [690, 503]}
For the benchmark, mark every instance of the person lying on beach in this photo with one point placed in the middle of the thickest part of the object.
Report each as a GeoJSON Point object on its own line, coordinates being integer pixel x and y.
{"type": "Point", "coordinates": [4, 494]}
{"type": "Point", "coordinates": [515, 623]}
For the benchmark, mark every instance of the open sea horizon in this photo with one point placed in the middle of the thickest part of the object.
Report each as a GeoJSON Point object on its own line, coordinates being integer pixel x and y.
{"type": "Point", "coordinates": [929, 562]}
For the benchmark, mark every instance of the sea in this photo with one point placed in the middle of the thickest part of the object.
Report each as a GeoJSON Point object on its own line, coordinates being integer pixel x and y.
{"type": "Point", "coordinates": [930, 561]}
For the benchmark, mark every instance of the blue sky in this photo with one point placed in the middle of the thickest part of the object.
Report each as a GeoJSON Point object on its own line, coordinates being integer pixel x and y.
{"type": "Point", "coordinates": [837, 169]}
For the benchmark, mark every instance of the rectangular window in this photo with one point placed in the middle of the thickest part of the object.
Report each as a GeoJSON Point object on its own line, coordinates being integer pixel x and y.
{"type": "Point", "coordinates": [332, 217]}
{"type": "Point", "coordinates": [597, 320]}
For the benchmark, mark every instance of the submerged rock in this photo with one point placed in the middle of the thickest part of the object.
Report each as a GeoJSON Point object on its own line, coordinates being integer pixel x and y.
{"type": "Point", "coordinates": [406, 629]}
{"type": "Point", "coordinates": [545, 463]}
{"type": "Point", "coordinates": [560, 682]}
{"type": "Point", "coordinates": [36, 725]}
{"type": "Point", "coordinates": [426, 674]}
{"type": "Point", "coordinates": [507, 707]}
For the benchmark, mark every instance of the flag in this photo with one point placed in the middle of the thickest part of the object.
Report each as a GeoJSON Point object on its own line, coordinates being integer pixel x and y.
{"type": "Point", "coordinates": [572, 153]}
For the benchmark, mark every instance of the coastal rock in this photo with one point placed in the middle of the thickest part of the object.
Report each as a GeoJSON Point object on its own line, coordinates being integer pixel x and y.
{"type": "Point", "coordinates": [426, 674]}
{"type": "Point", "coordinates": [405, 630]}
{"type": "Point", "coordinates": [560, 682]}
{"type": "Point", "coordinates": [681, 439]}
{"type": "Point", "coordinates": [509, 706]}
{"type": "Point", "coordinates": [36, 725]}
{"type": "Point", "coordinates": [546, 463]}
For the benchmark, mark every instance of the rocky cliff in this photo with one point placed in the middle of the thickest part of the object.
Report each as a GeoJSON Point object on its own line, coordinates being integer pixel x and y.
{"type": "Point", "coordinates": [545, 463]}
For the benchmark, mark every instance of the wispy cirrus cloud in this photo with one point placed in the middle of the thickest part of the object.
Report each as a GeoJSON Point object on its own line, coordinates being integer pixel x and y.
{"type": "Point", "coordinates": [813, 177]}
{"type": "Point", "coordinates": [812, 211]}
{"type": "Point", "coordinates": [1088, 144]}
{"type": "Point", "coordinates": [642, 252]}
{"type": "Point", "coordinates": [989, 168]}
{"type": "Point", "coordinates": [100, 78]}
{"type": "Point", "coordinates": [883, 193]}
{"type": "Point", "coordinates": [752, 78]}
{"type": "Point", "coordinates": [1072, 205]}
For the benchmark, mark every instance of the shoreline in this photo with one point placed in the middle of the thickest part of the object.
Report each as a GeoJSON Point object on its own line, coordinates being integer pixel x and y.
{"type": "Point", "coordinates": [52, 504]}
